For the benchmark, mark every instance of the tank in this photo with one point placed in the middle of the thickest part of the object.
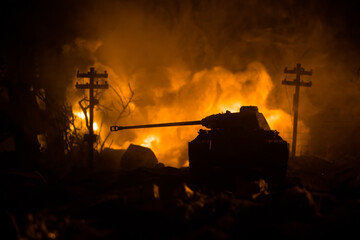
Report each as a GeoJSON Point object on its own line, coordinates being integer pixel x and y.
{"type": "Point", "coordinates": [235, 146]}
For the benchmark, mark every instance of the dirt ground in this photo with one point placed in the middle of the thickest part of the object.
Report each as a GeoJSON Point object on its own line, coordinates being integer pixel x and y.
{"type": "Point", "coordinates": [318, 198]}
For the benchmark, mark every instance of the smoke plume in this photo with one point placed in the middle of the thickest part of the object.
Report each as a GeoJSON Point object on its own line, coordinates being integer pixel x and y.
{"type": "Point", "coordinates": [187, 59]}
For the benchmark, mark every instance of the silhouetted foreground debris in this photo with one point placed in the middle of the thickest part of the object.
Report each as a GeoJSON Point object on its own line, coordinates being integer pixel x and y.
{"type": "Point", "coordinates": [138, 156]}
{"type": "Point", "coordinates": [317, 199]}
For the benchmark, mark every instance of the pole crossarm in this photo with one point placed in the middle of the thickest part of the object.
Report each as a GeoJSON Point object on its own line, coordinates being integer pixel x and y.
{"type": "Point", "coordinates": [302, 71]}
{"type": "Point", "coordinates": [94, 86]}
{"type": "Point", "coordinates": [294, 83]}
{"type": "Point", "coordinates": [93, 74]}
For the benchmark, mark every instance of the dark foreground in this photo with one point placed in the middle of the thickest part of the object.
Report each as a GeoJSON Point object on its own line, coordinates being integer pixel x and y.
{"type": "Point", "coordinates": [317, 199]}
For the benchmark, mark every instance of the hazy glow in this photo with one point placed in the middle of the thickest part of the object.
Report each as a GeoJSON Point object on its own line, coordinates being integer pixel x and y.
{"type": "Point", "coordinates": [80, 114]}
{"type": "Point", "coordinates": [208, 92]}
{"type": "Point", "coordinates": [234, 107]}
{"type": "Point", "coordinates": [80, 121]}
{"type": "Point", "coordinates": [95, 126]}
{"type": "Point", "coordinates": [188, 98]}
{"type": "Point", "coordinates": [150, 141]}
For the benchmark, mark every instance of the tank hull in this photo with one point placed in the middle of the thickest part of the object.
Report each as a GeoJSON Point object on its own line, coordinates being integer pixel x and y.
{"type": "Point", "coordinates": [222, 157]}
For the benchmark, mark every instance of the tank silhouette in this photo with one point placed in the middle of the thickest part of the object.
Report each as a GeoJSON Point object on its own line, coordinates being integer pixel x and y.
{"type": "Point", "coordinates": [236, 146]}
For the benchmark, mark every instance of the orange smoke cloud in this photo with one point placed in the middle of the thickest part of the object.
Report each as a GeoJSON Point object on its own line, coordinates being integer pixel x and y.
{"type": "Point", "coordinates": [188, 97]}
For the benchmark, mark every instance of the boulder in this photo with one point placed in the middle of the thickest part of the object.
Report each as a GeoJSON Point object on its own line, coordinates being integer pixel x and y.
{"type": "Point", "coordinates": [138, 156]}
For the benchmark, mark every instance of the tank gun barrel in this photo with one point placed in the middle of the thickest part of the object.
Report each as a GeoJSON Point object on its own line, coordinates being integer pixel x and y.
{"type": "Point", "coordinates": [117, 128]}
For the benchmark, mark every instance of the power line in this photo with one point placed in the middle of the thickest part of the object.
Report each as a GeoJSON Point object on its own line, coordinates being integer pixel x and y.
{"type": "Point", "coordinates": [297, 83]}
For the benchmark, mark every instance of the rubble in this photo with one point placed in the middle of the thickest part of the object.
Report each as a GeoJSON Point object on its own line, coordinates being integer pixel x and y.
{"type": "Point", "coordinates": [109, 160]}
{"type": "Point", "coordinates": [160, 202]}
{"type": "Point", "coordinates": [138, 156]}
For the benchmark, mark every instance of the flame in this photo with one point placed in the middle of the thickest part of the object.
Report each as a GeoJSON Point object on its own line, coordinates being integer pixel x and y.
{"type": "Point", "coordinates": [150, 141]}
{"type": "Point", "coordinates": [187, 97]}
{"type": "Point", "coordinates": [95, 126]}
{"type": "Point", "coordinates": [80, 114]}
{"type": "Point", "coordinates": [208, 92]}
{"type": "Point", "coordinates": [80, 121]}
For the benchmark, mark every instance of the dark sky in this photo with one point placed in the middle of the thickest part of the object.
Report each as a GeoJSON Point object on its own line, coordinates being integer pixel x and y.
{"type": "Point", "coordinates": [51, 23]}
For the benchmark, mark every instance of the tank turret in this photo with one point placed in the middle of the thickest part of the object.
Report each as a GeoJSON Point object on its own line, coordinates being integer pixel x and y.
{"type": "Point", "coordinates": [248, 118]}
{"type": "Point", "coordinates": [235, 145]}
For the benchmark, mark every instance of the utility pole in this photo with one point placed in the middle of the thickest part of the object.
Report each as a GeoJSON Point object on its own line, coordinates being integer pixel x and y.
{"type": "Point", "coordinates": [91, 138]}
{"type": "Point", "coordinates": [297, 83]}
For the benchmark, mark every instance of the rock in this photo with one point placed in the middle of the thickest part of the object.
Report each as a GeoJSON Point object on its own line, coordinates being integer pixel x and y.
{"type": "Point", "coordinates": [137, 156]}
{"type": "Point", "coordinates": [297, 203]}
{"type": "Point", "coordinates": [109, 160]}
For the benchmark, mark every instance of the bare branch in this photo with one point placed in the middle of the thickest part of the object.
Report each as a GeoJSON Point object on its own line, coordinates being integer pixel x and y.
{"type": "Point", "coordinates": [120, 97]}
{"type": "Point", "coordinates": [125, 107]}
{"type": "Point", "coordinates": [84, 108]}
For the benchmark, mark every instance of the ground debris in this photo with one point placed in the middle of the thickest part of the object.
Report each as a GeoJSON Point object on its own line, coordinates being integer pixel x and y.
{"type": "Point", "coordinates": [161, 202]}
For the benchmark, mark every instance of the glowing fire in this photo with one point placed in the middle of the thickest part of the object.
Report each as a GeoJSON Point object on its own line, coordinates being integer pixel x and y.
{"type": "Point", "coordinates": [208, 92]}
{"type": "Point", "coordinates": [188, 97]}
{"type": "Point", "coordinates": [80, 120]}
{"type": "Point", "coordinates": [150, 141]}
{"type": "Point", "coordinates": [81, 115]}
{"type": "Point", "coordinates": [95, 126]}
